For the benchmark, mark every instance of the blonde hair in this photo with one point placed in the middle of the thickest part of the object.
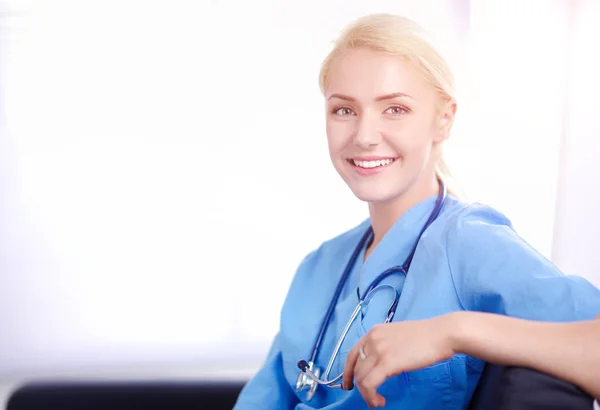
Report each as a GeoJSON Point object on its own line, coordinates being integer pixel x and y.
{"type": "Point", "coordinates": [398, 36]}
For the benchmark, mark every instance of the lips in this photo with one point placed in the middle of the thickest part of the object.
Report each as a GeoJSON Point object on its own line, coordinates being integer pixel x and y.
{"type": "Point", "coordinates": [371, 165]}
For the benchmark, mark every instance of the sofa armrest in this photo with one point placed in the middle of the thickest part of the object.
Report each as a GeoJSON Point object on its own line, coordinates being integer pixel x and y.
{"type": "Point", "coordinates": [518, 388]}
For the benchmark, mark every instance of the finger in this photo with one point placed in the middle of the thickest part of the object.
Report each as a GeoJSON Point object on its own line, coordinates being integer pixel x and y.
{"type": "Point", "coordinates": [362, 372]}
{"type": "Point", "coordinates": [363, 367]}
{"type": "Point", "coordinates": [369, 385]}
{"type": "Point", "coordinates": [353, 355]}
{"type": "Point", "coordinates": [347, 379]}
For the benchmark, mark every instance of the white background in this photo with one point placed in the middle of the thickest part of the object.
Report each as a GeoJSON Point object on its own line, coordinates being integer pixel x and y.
{"type": "Point", "coordinates": [164, 166]}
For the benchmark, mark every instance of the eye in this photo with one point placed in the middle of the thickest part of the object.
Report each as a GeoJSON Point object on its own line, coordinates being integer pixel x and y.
{"type": "Point", "coordinates": [397, 110]}
{"type": "Point", "coordinates": [343, 111]}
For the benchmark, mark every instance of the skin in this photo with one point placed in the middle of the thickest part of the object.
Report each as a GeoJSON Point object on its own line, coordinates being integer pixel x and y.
{"type": "Point", "coordinates": [381, 105]}
{"type": "Point", "coordinates": [569, 351]}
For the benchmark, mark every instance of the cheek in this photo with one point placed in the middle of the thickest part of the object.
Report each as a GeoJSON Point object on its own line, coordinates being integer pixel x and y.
{"type": "Point", "coordinates": [338, 136]}
{"type": "Point", "coordinates": [410, 142]}
{"type": "Point", "coordinates": [417, 158]}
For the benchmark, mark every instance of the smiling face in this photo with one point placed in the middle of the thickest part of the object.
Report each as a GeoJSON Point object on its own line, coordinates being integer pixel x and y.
{"type": "Point", "coordinates": [383, 122]}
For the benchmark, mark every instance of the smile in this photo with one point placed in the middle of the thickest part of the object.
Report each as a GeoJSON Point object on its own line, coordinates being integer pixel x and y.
{"type": "Point", "coordinates": [372, 164]}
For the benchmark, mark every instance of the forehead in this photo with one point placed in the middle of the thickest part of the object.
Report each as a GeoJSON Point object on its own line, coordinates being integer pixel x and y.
{"type": "Point", "coordinates": [366, 74]}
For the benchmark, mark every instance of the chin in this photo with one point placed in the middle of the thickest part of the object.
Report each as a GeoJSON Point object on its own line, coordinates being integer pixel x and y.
{"type": "Point", "coordinates": [375, 194]}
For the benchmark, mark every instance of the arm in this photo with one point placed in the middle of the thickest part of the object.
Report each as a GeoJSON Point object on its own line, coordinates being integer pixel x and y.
{"type": "Point", "coordinates": [569, 351]}
{"type": "Point", "coordinates": [268, 388]}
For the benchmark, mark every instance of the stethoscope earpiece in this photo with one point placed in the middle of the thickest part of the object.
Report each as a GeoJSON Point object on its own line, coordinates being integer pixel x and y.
{"type": "Point", "coordinates": [302, 365]}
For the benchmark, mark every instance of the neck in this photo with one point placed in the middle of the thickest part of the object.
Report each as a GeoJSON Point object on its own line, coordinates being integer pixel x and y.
{"type": "Point", "coordinates": [384, 214]}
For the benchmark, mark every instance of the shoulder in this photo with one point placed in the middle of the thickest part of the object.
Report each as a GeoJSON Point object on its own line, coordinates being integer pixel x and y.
{"type": "Point", "coordinates": [481, 240]}
{"type": "Point", "coordinates": [473, 225]}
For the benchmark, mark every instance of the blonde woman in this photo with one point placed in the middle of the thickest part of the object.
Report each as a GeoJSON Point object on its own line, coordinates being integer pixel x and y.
{"type": "Point", "coordinates": [422, 253]}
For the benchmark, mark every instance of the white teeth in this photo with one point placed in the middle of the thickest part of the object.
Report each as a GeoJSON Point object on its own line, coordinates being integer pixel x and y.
{"type": "Point", "coordinates": [372, 164]}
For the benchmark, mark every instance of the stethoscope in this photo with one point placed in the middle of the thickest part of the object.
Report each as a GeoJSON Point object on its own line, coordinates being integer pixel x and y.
{"type": "Point", "coordinates": [310, 376]}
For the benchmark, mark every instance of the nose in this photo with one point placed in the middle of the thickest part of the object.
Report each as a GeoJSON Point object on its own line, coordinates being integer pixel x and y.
{"type": "Point", "coordinates": [367, 136]}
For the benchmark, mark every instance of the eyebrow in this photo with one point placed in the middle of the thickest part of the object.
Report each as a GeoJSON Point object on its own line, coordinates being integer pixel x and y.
{"type": "Point", "coordinates": [380, 98]}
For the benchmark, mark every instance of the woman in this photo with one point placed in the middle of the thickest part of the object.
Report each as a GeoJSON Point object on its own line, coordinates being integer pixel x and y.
{"type": "Point", "coordinates": [389, 108]}
{"type": "Point", "coordinates": [569, 351]}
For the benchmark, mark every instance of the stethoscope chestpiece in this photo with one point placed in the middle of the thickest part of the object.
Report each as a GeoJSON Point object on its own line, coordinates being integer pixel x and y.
{"type": "Point", "coordinates": [305, 380]}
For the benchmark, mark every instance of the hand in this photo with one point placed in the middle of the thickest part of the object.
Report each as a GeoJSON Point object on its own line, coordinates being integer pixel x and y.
{"type": "Point", "coordinates": [394, 348]}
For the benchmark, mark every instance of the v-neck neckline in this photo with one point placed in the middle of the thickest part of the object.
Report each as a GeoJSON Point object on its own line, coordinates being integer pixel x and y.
{"type": "Point", "coordinates": [391, 245]}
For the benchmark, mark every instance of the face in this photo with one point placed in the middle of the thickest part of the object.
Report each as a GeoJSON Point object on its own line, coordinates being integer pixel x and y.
{"type": "Point", "coordinates": [383, 122]}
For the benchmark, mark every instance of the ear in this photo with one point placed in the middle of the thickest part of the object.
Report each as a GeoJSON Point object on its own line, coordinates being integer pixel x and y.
{"type": "Point", "coordinates": [445, 120]}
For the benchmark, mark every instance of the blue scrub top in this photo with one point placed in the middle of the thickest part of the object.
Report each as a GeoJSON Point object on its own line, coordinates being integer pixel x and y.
{"type": "Point", "coordinates": [470, 258]}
